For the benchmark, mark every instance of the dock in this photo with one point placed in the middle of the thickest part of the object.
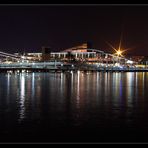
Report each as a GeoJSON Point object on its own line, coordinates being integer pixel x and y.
{"type": "Point", "coordinates": [59, 67]}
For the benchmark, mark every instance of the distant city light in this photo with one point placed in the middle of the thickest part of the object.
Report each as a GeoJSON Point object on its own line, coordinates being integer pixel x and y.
{"type": "Point", "coordinates": [129, 62]}
{"type": "Point", "coordinates": [23, 57]}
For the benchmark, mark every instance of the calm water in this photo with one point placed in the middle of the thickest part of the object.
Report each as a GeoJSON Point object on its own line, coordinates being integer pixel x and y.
{"type": "Point", "coordinates": [74, 107]}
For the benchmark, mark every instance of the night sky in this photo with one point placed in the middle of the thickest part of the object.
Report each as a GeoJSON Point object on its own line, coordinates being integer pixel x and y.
{"type": "Point", "coordinates": [28, 28]}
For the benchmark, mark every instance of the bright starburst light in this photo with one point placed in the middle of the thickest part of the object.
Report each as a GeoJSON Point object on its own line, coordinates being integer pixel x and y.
{"type": "Point", "coordinates": [119, 51]}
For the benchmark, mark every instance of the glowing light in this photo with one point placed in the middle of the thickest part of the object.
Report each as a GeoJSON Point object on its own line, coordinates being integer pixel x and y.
{"type": "Point", "coordinates": [119, 51]}
{"type": "Point", "coordinates": [23, 57]}
{"type": "Point", "coordinates": [129, 62]}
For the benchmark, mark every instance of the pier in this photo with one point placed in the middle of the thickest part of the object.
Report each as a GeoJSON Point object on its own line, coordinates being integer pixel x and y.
{"type": "Point", "coordinates": [60, 67]}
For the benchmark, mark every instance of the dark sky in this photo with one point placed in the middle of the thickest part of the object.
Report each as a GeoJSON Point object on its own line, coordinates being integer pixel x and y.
{"type": "Point", "coordinates": [28, 28]}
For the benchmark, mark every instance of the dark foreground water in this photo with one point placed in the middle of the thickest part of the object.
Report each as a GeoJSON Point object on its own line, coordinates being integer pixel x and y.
{"type": "Point", "coordinates": [74, 107]}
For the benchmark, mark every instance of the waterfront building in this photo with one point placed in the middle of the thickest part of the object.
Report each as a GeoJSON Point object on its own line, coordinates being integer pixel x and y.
{"type": "Point", "coordinates": [83, 53]}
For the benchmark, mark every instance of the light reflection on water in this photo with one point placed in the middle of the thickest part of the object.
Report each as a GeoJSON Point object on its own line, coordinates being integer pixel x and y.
{"type": "Point", "coordinates": [75, 99]}
{"type": "Point", "coordinates": [22, 97]}
{"type": "Point", "coordinates": [78, 90]}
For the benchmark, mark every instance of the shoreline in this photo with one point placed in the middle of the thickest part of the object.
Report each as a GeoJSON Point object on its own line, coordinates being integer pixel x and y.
{"type": "Point", "coordinates": [29, 70]}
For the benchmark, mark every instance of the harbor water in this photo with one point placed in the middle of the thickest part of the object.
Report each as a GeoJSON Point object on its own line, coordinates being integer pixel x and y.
{"type": "Point", "coordinates": [74, 107]}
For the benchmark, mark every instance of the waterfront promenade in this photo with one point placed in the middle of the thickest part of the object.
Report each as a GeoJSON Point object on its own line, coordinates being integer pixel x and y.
{"type": "Point", "coordinates": [60, 67]}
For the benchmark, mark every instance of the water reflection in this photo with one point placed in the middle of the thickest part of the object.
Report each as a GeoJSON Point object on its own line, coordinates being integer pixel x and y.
{"type": "Point", "coordinates": [75, 98]}
{"type": "Point", "coordinates": [129, 87]}
{"type": "Point", "coordinates": [116, 88]}
{"type": "Point", "coordinates": [33, 85]}
{"type": "Point", "coordinates": [61, 81]}
{"type": "Point", "coordinates": [22, 97]}
{"type": "Point", "coordinates": [8, 87]}
{"type": "Point", "coordinates": [78, 90]}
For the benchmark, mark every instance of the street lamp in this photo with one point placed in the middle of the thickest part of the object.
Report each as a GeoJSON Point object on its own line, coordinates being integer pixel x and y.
{"type": "Point", "coordinates": [119, 52]}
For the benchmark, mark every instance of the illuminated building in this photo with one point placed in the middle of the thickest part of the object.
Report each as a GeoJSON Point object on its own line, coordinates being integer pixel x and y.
{"type": "Point", "coordinates": [82, 53]}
